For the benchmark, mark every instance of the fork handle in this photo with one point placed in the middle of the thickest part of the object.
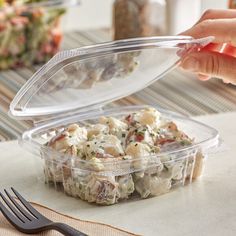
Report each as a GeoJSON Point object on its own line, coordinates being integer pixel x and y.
{"type": "Point", "coordinates": [66, 229]}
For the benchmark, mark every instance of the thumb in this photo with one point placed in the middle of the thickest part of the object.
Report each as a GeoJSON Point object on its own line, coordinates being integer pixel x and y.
{"type": "Point", "coordinates": [211, 64]}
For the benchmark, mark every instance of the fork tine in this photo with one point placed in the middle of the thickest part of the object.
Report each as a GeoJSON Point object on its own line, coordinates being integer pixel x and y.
{"type": "Point", "coordinates": [7, 213]}
{"type": "Point", "coordinates": [25, 213]}
{"type": "Point", "coordinates": [27, 205]}
{"type": "Point", "coordinates": [9, 216]}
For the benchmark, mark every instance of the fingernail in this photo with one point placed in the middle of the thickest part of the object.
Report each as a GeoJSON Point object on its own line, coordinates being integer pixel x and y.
{"type": "Point", "coordinates": [191, 64]}
{"type": "Point", "coordinates": [226, 81]}
{"type": "Point", "coordinates": [203, 77]}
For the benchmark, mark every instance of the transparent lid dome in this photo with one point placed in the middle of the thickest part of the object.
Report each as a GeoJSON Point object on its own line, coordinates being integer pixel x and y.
{"type": "Point", "coordinates": [84, 79]}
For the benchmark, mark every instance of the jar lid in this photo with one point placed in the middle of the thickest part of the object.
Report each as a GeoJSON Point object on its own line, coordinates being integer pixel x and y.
{"type": "Point", "coordinates": [84, 79]}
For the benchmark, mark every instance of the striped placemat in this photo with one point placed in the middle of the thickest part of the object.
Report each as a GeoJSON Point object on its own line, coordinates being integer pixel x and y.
{"type": "Point", "coordinates": [177, 91]}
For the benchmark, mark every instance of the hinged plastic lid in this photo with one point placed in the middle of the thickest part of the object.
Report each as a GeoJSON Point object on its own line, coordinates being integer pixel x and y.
{"type": "Point", "coordinates": [84, 79]}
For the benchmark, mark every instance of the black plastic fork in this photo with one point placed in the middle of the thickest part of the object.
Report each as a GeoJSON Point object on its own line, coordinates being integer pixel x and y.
{"type": "Point", "coordinates": [27, 219]}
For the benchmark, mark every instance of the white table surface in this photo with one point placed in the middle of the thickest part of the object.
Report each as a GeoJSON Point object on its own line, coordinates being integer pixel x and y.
{"type": "Point", "coordinates": [207, 207]}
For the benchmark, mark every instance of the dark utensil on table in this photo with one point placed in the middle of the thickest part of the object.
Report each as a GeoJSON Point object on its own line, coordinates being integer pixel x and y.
{"type": "Point", "coordinates": [27, 219]}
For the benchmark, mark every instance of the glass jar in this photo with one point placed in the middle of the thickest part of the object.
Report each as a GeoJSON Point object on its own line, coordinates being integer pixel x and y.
{"type": "Point", "coordinates": [138, 18]}
{"type": "Point", "coordinates": [232, 4]}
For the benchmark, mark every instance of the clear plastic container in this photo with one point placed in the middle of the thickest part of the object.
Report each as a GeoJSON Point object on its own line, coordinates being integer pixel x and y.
{"type": "Point", "coordinates": [30, 32]}
{"type": "Point", "coordinates": [232, 4]}
{"type": "Point", "coordinates": [74, 86]}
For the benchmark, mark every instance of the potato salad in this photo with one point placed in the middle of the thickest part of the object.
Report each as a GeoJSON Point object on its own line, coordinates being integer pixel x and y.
{"type": "Point", "coordinates": [117, 158]}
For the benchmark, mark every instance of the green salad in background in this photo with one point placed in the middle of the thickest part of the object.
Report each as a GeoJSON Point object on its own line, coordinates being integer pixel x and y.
{"type": "Point", "coordinates": [28, 35]}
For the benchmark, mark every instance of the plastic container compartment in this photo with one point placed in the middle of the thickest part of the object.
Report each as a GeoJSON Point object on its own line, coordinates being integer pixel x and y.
{"type": "Point", "coordinates": [30, 32]}
{"type": "Point", "coordinates": [74, 86]}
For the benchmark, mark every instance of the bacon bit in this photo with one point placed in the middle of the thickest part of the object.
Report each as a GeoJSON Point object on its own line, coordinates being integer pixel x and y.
{"type": "Point", "coordinates": [57, 138]}
{"type": "Point", "coordinates": [164, 141]}
{"type": "Point", "coordinates": [57, 38]}
{"type": "Point", "coordinates": [128, 118]}
{"type": "Point", "coordinates": [139, 138]}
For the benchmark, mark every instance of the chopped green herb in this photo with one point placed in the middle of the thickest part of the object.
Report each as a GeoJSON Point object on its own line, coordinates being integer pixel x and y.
{"type": "Point", "coordinates": [166, 168]}
{"type": "Point", "coordinates": [140, 133]}
{"type": "Point", "coordinates": [185, 142]}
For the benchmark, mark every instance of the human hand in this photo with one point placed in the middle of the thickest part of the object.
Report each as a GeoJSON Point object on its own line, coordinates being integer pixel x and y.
{"type": "Point", "coordinates": [219, 58]}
